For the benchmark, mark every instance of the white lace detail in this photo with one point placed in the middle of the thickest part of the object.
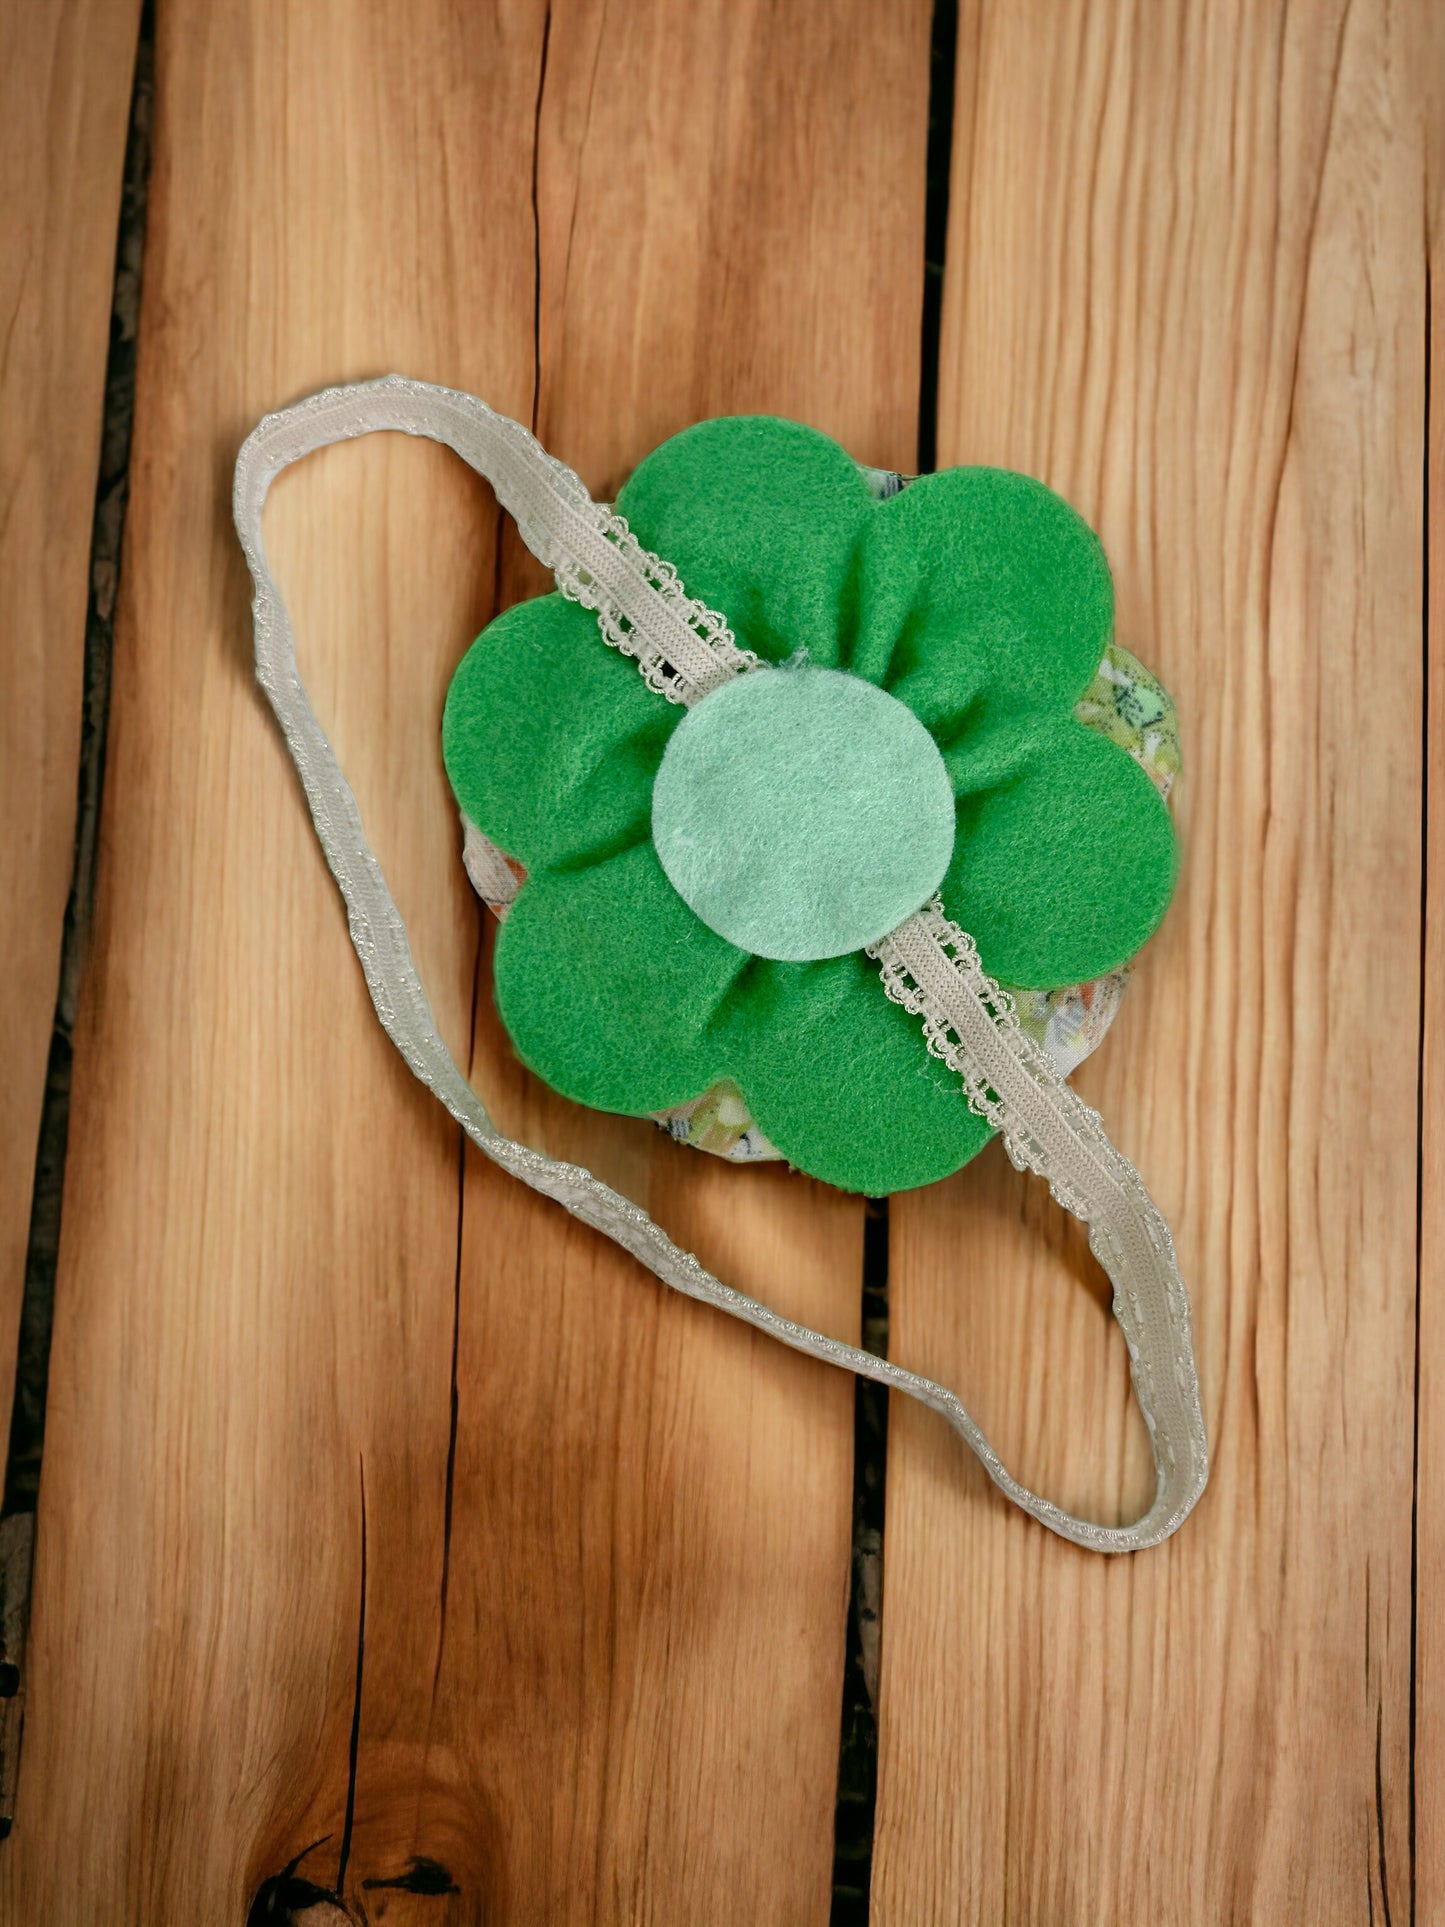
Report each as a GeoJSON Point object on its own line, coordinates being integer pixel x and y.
{"type": "Point", "coordinates": [929, 965]}
{"type": "Point", "coordinates": [492, 877]}
{"type": "Point", "coordinates": [657, 656]}
{"type": "Point", "coordinates": [683, 648]}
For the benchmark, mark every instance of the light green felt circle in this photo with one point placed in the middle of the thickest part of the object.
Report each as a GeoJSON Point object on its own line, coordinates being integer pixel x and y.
{"type": "Point", "coordinates": [802, 813]}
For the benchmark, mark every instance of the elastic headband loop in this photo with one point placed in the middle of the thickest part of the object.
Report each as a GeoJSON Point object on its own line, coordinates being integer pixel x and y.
{"type": "Point", "coordinates": [928, 964]}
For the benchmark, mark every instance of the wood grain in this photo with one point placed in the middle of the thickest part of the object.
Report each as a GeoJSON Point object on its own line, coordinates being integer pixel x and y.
{"type": "Point", "coordinates": [598, 1626]}
{"type": "Point", "coordinates": [1186, 285]}
{"type": "Point", "coordinates": [65, 82]}
{"type": "Point", "coordinates": [671, 1565]}
{"type": "Point", "coordinates": [1429, 1761]}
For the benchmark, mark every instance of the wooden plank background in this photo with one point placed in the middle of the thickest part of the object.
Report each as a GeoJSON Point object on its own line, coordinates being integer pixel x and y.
{"type": "Point", "coordinates": [65, 84]}
{"type": "Point", "coordinates": [1187, 286]}
{"type": "Point", "coordinates": [400, 1542]}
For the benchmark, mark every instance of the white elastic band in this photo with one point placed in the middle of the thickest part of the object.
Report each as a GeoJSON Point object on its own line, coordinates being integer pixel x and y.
{"type": "Point", "coordinates": [684, 650]}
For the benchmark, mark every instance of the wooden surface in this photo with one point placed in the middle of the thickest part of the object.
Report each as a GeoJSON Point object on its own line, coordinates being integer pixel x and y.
{"type": "Point", "coordinates": [65, 85]}
{"type": "Point", "coordinates": [1187, 286]}
{"type": "Point", "coordinates": [1430, 1370]}
{"type": "Point", "coordinates": [604, 1618]}
{"type": "Point", "coordinates": [397, 1528]}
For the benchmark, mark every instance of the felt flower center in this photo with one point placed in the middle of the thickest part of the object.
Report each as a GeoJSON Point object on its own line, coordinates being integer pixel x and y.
{"type": "Point", "coordinates": [802, 813]}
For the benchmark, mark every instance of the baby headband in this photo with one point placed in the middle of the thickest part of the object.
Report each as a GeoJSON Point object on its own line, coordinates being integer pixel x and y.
{"type": "Point", "coordinates": [799, 813]}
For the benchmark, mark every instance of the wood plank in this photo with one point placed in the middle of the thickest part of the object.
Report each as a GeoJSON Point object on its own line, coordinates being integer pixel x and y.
{"type": "Point", "coordinates": [630, 1705]}
{"type": "Point", "coordinates": [1429, 1761]}
{"type": "Point", "coordinates": [679, 1490]}
{"type": "Point", "coordinates": [1186, 285]}
{"type": "Point", "coordinates": [690, 1532]}
{"type": "Point", "coordinates": [65, 82]}
{"type": "Point", "coordinates": [260, 1232]}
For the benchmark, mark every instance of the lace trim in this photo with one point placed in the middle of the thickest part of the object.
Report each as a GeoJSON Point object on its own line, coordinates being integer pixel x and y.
{"type": "Point", "coordinates": [495, 880]}
{"type": "Point", "coordinates": [911, 978]}
{"type": "Point", "coordinates": [683, 649]}
{"type": "Point", "coordinates": [931, 967]}
{"type": "Point", "coordinates": [681, 676]}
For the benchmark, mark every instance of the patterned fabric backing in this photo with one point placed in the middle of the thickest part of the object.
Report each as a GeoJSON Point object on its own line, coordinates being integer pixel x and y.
{"type": "Point", "coordinates": [1124, 702]}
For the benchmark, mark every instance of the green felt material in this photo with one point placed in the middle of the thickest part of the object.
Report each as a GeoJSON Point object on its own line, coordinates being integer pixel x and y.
{"type": "Point", "coordinates": [977, 598]}
{"type": "Point", "coordinates": [1046, 892]}
{"type": "Point", "coordinates": [603, 1020]}
{"type": "Point", "coordinates": [802, 813]}
{"type": "Point", "coordinates": [761, 519]}
{"type": "Point", "coordinates": [816, 1049]}
{"type": "Point", "coordinates": [551, 739]}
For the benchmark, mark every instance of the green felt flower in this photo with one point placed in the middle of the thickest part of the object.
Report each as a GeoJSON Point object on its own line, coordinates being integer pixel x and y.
{"type": "Point", "coordinates": [977, 598]}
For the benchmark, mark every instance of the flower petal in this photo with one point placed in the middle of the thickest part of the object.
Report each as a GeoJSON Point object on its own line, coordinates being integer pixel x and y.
{"type": "Point", "coordinates": [981, 588]}
{"type": "Point", "coordinates": [551, 739]}
{"type": "Point", "coordinates": [608, 985]}
{"type": "Point", "coordinates": [1062, 872]}
{"type": "Point", "coordinates": [761, 519]}
{"type": "Point", "coordinates": [840, 1079]}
